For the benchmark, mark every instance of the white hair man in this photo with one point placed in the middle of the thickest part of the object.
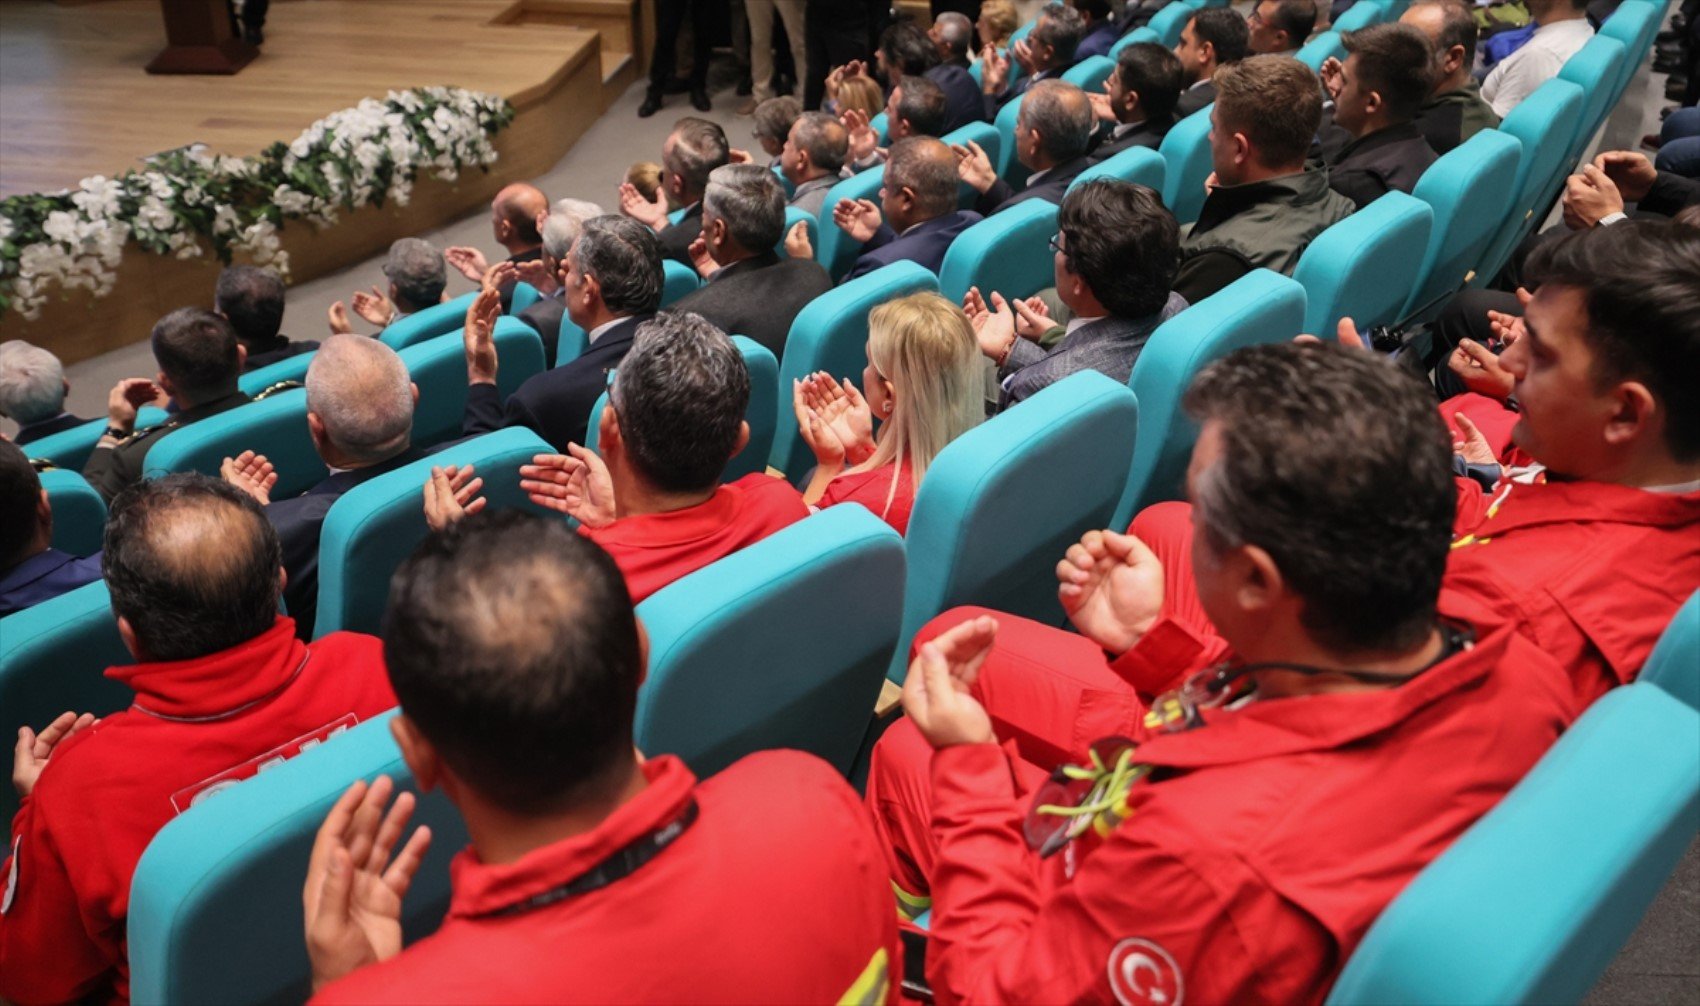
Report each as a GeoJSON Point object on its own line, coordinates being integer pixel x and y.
{"type": "Point", "coordinates": [560, 228]}
{"type": "Point", "coordinates": [32, 391]}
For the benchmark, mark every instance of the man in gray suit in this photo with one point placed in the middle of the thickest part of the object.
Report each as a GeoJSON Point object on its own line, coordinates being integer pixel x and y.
{"type": "Point", "coordinates": [1117, 252]}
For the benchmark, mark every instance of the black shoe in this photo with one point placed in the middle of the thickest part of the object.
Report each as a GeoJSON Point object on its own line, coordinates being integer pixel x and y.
{"type": "Point", "coordinates": [254, 34]}
{"type": "Point", "coordinates": [1676, 88]}
{"type": "Point", "coordinates": [651, 105]}
{"type": "Point", "coordinates": [699, 99]}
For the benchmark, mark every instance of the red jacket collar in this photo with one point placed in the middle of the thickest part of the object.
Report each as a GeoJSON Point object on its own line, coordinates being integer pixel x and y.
{"type": "Point", "coordinates": [1574, 502]}
{"type": "Point", "coordinates": [675, 527]}
{"type": "Point", "coordinates": [221, 683]}
{"type": "Point", "coordinates": [1280, 727]}
{"type": "Point", "coordinates": [480, 889]}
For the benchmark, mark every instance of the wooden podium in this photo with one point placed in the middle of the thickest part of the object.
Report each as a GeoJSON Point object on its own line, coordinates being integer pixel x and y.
{"type": "Point", "coordinates": [199, 39]}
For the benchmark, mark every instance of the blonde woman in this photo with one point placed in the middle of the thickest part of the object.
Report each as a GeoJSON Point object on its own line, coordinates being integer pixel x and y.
{"type": "Point", "coordinates": [861, 93]}
{"type": "Point", "coordinates": [923, 381]}
{"type": "Point", "coordinates": [998, 21]}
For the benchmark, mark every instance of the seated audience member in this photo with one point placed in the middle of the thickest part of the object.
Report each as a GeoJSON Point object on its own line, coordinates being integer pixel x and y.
{"type": "Point", "coordinates": [515, 215]}
{"type": "Point", "coordinates": [1377, 92]}
{"type": "Point", "coordinates": [1562, 30]}
{"type": "Point", "coordinates": [923, 380]}
{"type": "Point", "coordinates": [31, 569]}
{"type": "Point", "coordinates": [222, 687]}
{"type": "Point", "coordinates": [694, 148]}
{"type": "Point", "coordinates": [1138, 104]}
{"type": "Point", "coordinates": [1053, 129]}
{"type": "Point", "coordinates": [612, 282]}
{"type": "Point", "coordinates": [952, 34]}
{"type": "Point", "coordinates": [560, 229]}
{"type": "Point", "coordinates": [32, 392]}
{"type": "Point", "coordinates": [1116, 253]}
{"type": "Point", "coordinates": [918, 202]}
{"type": "Point", "coordinates": [997, 22]}
{"type": "Point", "coordinates": [860, 94]}
{"type": "Point", "coordinates": [907, 51]}
{"type": "Point", "coordinates": [200, 363]}
{"type": "Point", "coordinates": [645, 176]}
{"type": "Point", "coordinates": [1101, 29]}
{"type": "Point", "coordinates": [1211, 39]}
{"type": "Point", "coordinates": [750, 290]}
{"type": "Point", "coordinates": [1360, 730]}
{"type": "Point", "coordinates": [1279, 27]}
{"type": "Point", "coordinates": [1137, 14]}
{"type": "Point", "coordinates": [360, 414]}
{"type": "Point", "coordinates": [1454, 110]}
{"type": "Point", "coordinates": [251, 299]}
{"type": "Point", "coordinates": [773, 121]}
{"type": "Point", "coordinates": [414, 268]}
{"type": "Point", "coordinates": [813, 159]}
{"type": "Point", "coordinates": [916, 107]}
{"type": "Point", "coordinates": [1597, 193]}
{"type": "Point", "coordinates": [1265, 204]}
{"type": "Point", "coordinates": [517, 659]}
{"type": "Point", "coordinates": [653, 498]}
{"type": "Point", "coordinates": [1047, 52]}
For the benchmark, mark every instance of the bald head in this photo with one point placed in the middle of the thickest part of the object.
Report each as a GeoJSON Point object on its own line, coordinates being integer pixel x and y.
{"type": "Point", "coordinates": [1451, 29]}
{"type": "Point", "coordinates": [513, 216]}
{"type": "Point", "coordinates": [825, 142]}
{"type": "Point", "coordinates": [920, 181]}
{"type": "Point", "coordinates": [1054, 124]}
{"type": "Point", "coordinates": [359, 401]}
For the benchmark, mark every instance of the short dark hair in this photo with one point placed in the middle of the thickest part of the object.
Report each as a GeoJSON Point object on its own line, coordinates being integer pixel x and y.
{"type": "Point", "coordinates": [933, 178]}
{"type": "Point", "coordinates": [1154, 73]}
{"type": "Point", "coordinates": [1295, 17]}
{"type": "Point", "coordinates": [1338, 466]}
{"type": "Point", "coordinates": [699, 146]}
{"type": "Point", "coordinates": [1062, 115]}
{"type": "Point", "coordinates": [192, 564]}
{"type": "Point", "coordinates": [1275, 100]}
{"type": "Point", "coordinates": [1061, 27]}
{"type": "Point", "coordinates": [1123, 242]}
{"type": "Point", "coordinates": [825, 140]}
{"type": "Point", "coordinates": [1457, 27]}
{"type": "Point", "coordinates": [775, 117]}
{"type": "Point", "coordinates": [196, 349]}
{"type": "Point", "coordinates": [512, 646]}
{"type": "Point", "coordinates": [907, 50]}
{"type": "Point", "coordinates": [252, 298]}
{"type": "Point", "coordinates": [20, 490]}
{"type": "Point", "coordinates": [922, 103]}
{"type": "Point", "coordinates": [625, 258]}
{"type": "Point", "coordinates": [1396, 61]}
{"type": "Point", "coordinates": [1638, 279]}
{"type": "Point", "coordinates": [749, 199]}
{"type": "Point", "coordinates": [1226, 32]}
{"type": "Point", "coordinates": [680, 394]}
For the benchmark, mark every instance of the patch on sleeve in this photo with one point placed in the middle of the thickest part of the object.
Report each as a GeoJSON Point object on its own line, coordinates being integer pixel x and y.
{"type": "Point", "coordinates": [1144, 974]}
{"type": "Point", "coordinates": [11, 877]}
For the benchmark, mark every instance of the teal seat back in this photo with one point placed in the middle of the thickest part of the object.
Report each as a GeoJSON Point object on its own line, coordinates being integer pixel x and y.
{"type": "Point", "coordinates": [1258, 308]}
{"type": "Point", "coordinates": [1167, 24]}
{"type": "Point", "coordinates": [571, 341]}
{"type": "Point", "coordinates": [438, 319]}
{"type": "Point", "coordinates": [1469, 189]}
{"type": "Point", "coordinates": [1008, 252]}
{"type": "Point", "coordinates": [1090, 73]}
{"type": "Point", "coordinates": [52, 656]}
{"type": "Point", "coordinates": [880, 125]}
{"type": "Point", "coordinates": [1361, 15]}
{"type": "Point", "coordinates": [1002, 503]}
{"type": "Point", "coordinates": [675, 216]}
{"type": "Point", "coordinates": [371, 528]}
{"type": "Point", "coordinates": [735, 661]}
{"type": "Point", "coordinates": [1633, 23]}
{"type": "Point", "coordinates": [1139, 165]}
{"type": "Point", "coordinates": [837, 251]}
{"type": "Point", "coordinates": [524, 296]}
{"type": "Point", "coordinates": [986, 135]}
{"type": "Point", "coordinates": [438, 368]}
{"type": "Point", "coordinates": [275, 427]}
{"type": "Point", "coordinates": [70, 449]}
{"type": "Point", "coordinates": [79, 514]}
{"type": "Point", "coordinates": [1352, 269]}
{"type": "Point", "coordinates": [1321, 49]}
{"type": "Point", "coordinates": [1010, 168]}
{"type": "Point", "coordinates": [215, 904]}
{"type": "Point", "coordinates": [830, 333]}
{"type": "Point", "coordinates": [1595, 69]}
{"type": "Point", "coordinates": [1544, 123]}
{"type": "Point", "coordinates": [1533, 901]}
{"type": "Point", "coordinates": [1675, 663]}
{"type": "Point", "coordinates": [677, 281]}
{"type": "Point", "coordinates": [290, 368]}
{"type": "Point", "coordinates": [1186, 156]}
{"type": "Point", "coordinates": [1134, 37]}
{"type": "Point", "coordinates": [795, 215]}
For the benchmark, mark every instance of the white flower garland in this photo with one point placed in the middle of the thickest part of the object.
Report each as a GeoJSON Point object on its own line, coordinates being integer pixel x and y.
{"type": "Point", "coordinates": [365, 155]}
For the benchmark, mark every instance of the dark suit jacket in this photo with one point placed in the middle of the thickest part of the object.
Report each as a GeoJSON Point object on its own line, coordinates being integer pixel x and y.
{"type": "Point", "coordinates": [1098, 41]}
{"type": "Point", "coordinates": [1146, 134]}
{"type": "Point", "coordinates": [47, 427]}
{"type": "Point", "coordinates": [545, 316]}
{"type": "Point", "coordinates": [1050, 188]}
{"type": "Point", "coordinates": [676, 238]}
{"type": "Point", "coordinates": [111, 469]}
{"type": "Point", "coordinates": [556, 403]}
{"type": "Point", "coordinates": [1014, 91]}
{"type": "Point", "coordinates": [1194, 98]}
{"type": "Point", "coordinates": [275, 351]}
{"type": "Point", "coordinates": [963, 100]}
{"type": "Point", "coordinates": [1372, 166]}
{"type": "Point", "coordinates": [298, 522]}
{"type": "Point", "coordinates": [923, 244]}
{"type": "Point", "coordinates": [759, 297]}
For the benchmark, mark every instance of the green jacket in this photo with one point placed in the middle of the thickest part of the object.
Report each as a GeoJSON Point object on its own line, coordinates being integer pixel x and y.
{"type": "Point", "coordinates": [1259, 225]}
{"type": "Point", "coordinates": [1450, 118]}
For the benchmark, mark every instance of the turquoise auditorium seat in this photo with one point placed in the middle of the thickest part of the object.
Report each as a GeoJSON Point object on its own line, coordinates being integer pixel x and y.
{"type": "Point", "coordinates": [1545, 124]}
{"type": "Point", "coordinates": [1634, 23]}
{"type": "Point", "coordinates": [1351, 270]}
{"type": "Point", "coordinates": [438, 319]}
{"type": "Point", "coordinates": [837, 251]}
{"type": "Point", "coordinates": [1362, 15]}
{"type": "Point", "coordinates": [1321, 49]}
{"type": "Point", "coordinates": [1090, 73]}
{"type": "Point", "coordinates": [70, 449]}
{"type": "Point", "coordinates": [987, 136]}
{"type": "Point", "coordinates": [1675, 663]}
{"type": "Point", "coordinates": [276, 427]}
{"type": "Point", "coordinates": [79, 514]}
{"type": "Point", "coordinates": [1470, 190]}
{"type": "Point", "coordinates": [678, 281]}
{"type": "Point", "coordinates": [1186, 155]}
{"type": "Point", "coordinates": [1008, 252]}
{"type": "Point", "coordinates": [1167, 24]}
{"type": "Point", "coordinates": [1139, 165]}
{"type": "Point", "coordinates": [438, 368]}
{"type": "Point", "coordinates": [1010, 168]}
{"type": "Point", "coordinates": [290, 368]}
{"type": "Point", "coordinates": [1133, 37]}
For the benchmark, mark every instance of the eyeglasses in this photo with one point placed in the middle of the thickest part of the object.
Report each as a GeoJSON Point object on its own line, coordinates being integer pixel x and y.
{"type": "Point", "coordinates": [1056, 244]}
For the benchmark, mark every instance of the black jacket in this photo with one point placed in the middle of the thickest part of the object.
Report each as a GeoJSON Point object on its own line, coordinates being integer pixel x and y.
{"type": "Point", "coordinates": [1371, 166]}
{"type": "Point", "coordinates": [759, 297]}
{"type": "Point", "coordinates": [47, 427]}
{"type": "Point", "coordinates": [1147, 134]}
{"type": "Point", "coordinates": [963, 100]}
{"type": "Point", "coordinates": [1257, 225]}
{"type": "Point", "coordinates": [1194, 98]}
{"type": "Point", "coordinates": [676, 238]}
{"type": "Point", "coordinates": [275, 351]}
{"type": "Point", "coordinates": [111, 469]}
{"type": "Point", "coordinates": [545, 316]}
{"type": "Point", "coordinates": [555, 404]}
{"type": "Point", "coordinates": [1050, 188]}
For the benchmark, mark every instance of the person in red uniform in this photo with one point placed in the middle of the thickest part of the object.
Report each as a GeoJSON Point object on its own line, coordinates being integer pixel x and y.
{"type": "Point", "coordinates": [1237, 844]}
{"type": "Point", "coordinates": [594, 875]}
{"type": "Point", "coordinates": [653, 497]}
{"type": "Point", "coordinates": [223, 690]}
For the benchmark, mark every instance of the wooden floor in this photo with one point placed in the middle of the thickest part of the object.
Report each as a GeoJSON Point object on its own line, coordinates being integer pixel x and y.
{"type": "Point", "coordinates": [75, 102]}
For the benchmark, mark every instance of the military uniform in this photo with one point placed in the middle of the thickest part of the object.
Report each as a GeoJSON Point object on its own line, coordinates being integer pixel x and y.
{"type": "Point", "coordinates": [112, 468]}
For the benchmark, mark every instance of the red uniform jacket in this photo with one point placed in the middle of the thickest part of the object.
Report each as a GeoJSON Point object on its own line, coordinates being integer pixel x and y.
{"type": "Point", "coordinates": [1250, 868]}
{"type": "Point", "coordinates": [775, 893]}
{"type": "Point", "coordinates": [874, 490]}
{"type": "Point", "coordinates": [196, 727]}
{"type": "Point", "coordinates": [655, 549]}
{"type": "Point", "coordinates": [1591, 572]}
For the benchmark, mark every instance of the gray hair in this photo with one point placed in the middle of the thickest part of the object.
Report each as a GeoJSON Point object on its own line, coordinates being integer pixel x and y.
{"type": "Point", "coordinates": [825, 140]}
{"type": "Point", "coordinates": [625, 258]}
{"type": "Point", "coordinates": [680, 395]}
{"type": "Point", "coordinates": [1063, 117]}
{"type": "Point", "coordinates": [751, 202]}
{"type": "Point", "coordinates": [699, 146]}
{"type": "Point", "coordinates": [415, 266]}
{"type": "Point", "coordinates": [773, 117]}
{"type": "Point", "coordinates": [360, 390]}
{"type": "Point", "coordinates": [956, 31]}
{"type": "Point", "coordinates": [1061, 27]}
{"type": "Point", "coordinates": [32, 383]}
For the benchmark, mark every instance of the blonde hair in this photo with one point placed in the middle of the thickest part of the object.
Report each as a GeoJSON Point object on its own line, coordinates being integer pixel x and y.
{"type": "Point", "coordinates": [645, 176]}
{"type": "Point", "coordinates": [923, 345]}
{"type": "Point", "coordinates": [863, 94]}
{"type": "Point", "coordinates": [1000, 20]}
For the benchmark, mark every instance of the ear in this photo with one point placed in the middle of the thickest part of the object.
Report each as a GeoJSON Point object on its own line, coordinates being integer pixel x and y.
{"type": "Point", "coordinates": [1373, 103]}
{"type": "Point", "coordinates": [592, 289]}
{"type": "Point", "coordinates": [394, 290]}
{"type": "Point", "coordinates": [1453, 59]}
{"type": "Point", "coordinates": [742, 442]}
{"type": "Point", "coordinates": [241, 356]}
{"type": "Point", "coordinates": [165, 384]}
{"type": "Point", "coordinates": [44, 514]}
{"type": "Point", "coordinates": [415, 389]}
{"type": "Point", "coordinates": [1637, 416]}
{"type": "Point", "coordinates": [128, 635]}
{"type": "Point", "coordinates": [1242, 148]}
{"type": "Point", "coordinates": [417, 752]}
{"type": "Point", "coordinates": [1131, 99]}
{"type": "Point", "coordinates": [643, 650]}
{"type": "Point", "coordinates": [607, 430]}
{"type": "Point", "coordinates": [316, 428]}
{"type": "Point", "coordinates": [282, 579]}
{"type": "Point", "coordinates": [1258, 584]}
{"type": "Point", "coordinates": [1208, 51]}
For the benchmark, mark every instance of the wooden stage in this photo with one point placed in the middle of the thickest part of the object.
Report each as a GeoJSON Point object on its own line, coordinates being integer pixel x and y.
{"type": "Point", "coordinates": [75, 102]}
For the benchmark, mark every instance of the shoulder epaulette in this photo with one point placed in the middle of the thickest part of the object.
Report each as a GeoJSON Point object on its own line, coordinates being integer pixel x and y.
{"type": "Point", "coordinates": [43, 465]}
{"type": "Point", "coordinates": [278, 388]}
